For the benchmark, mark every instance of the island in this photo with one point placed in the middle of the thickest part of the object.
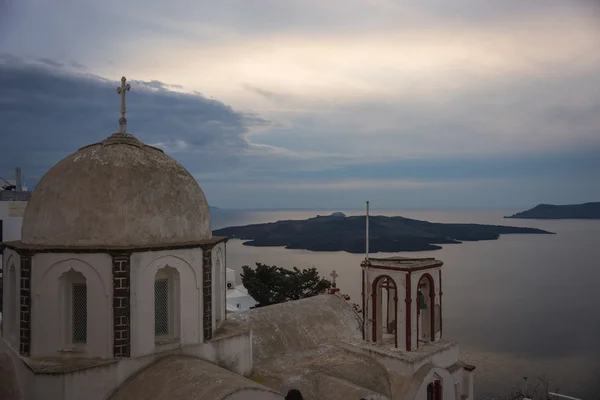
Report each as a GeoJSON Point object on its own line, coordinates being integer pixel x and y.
{"type": "Point", "coordinates": [569, 211]}
{"type": "Point", "coordinates": [387, 234]}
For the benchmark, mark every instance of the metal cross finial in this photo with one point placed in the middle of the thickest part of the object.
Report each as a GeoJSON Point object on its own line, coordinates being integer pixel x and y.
{"type": "Point", "coordinates": [333, 275]}
{"type": "Point", "coordinates": [121, 90]}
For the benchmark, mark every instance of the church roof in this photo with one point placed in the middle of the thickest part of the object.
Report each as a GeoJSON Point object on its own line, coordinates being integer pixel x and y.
{"type": "Point", "coordinates": [179, 378]}
{"type": "Point", "coordinates": [325, 372]}
{"type": "Point", "coordinates": [295, 325]}
{"type": "Point", "coordinates": [299, 344]}
{"type": "Point", "coordinates": [119, 192]}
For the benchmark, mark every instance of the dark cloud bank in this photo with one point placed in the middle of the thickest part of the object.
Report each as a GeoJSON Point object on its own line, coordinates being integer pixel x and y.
{"type": "Point", "coordinates": [48, 110]}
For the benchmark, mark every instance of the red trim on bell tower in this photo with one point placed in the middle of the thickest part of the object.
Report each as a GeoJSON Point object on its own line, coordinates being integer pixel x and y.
{"type": "Point", "coordinates": [364, 308]}
{"type": "Point", "coordinates": [408, 300]}
{"type": "Point", "coordinates": [441, 319]}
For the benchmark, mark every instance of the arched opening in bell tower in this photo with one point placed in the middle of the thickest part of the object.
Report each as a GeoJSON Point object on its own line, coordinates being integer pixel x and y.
{"type": "Point", "coordinates": [385, 310]}
{"type": "Point", "coordinates": [425, 309]}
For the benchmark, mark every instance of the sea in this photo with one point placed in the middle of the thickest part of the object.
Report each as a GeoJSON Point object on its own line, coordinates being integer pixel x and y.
{"type": "Point", "coordinates": [523, 306]}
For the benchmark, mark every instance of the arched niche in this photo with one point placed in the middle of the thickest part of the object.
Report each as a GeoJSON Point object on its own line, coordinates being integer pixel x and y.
{"type": "Point", "coordinates": [425, 309]}
{"type": "Point", "coordinates": [51, 303]}
{"type": "Point", "coordinates": [427, 376]}
{"type": "Point", "coordinates": [185, 292]}
{"type": "Point", "coordinates": [387, 283]}
{"type": "Point", "coordinates": [167, 304]}
{"type": "Point", "coordinates": [74, 310]}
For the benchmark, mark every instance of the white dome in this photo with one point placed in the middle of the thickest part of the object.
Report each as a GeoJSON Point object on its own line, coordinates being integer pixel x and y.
{"type": "Point", "coordinates": [116, 193]}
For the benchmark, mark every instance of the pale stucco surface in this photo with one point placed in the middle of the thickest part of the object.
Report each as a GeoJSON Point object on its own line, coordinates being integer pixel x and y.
{"type": "Point", "coordinates": [118, 192]}
{"type": "Point", "coordinates": [9, 385]}
{"type": "Point", "coordinates": [296, 325]}
{"type": "Point", "coordinates": [48, 338]}
{"type": "Point", "coordinates": [188, 378]}
{"type": "Point", "coordinates": [326, 371]}
{"type": "Point", "coordinates": [144, 266]}
{"type": "Point", "coordinates": [296, 345]}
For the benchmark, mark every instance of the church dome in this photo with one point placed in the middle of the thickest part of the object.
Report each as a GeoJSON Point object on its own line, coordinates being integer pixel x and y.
{"type": "Point", "coordinates": [116, 193]}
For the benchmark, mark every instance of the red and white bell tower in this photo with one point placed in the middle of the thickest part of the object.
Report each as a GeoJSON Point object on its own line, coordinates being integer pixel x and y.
{"type": "Point", "coordinates": [402, 301]}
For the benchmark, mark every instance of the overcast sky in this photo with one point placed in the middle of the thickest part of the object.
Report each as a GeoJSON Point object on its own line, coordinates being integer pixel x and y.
{"type": "Point", "coordinates": [281, 103]}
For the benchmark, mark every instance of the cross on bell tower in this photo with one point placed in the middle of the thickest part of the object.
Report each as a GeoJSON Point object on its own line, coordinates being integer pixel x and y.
{"type": "Point", "coordinates": [125, 87]}
{"type": "Point", "coordinates": [333, 275]}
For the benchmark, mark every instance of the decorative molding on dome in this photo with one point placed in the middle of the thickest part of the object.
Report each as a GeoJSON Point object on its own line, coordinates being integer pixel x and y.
{"type": "Point", "coordinates": [122, 138]}
{"type": "Point", "coordinates": [25, 249]}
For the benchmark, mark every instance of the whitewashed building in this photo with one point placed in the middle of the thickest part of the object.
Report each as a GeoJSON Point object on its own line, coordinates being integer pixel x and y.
{"type": "Point", "coordinates": [238, 298]}
{"type": "Point", "coordinates": [13, 200]}
{"type": "Point", "coordinates": [117, 290]}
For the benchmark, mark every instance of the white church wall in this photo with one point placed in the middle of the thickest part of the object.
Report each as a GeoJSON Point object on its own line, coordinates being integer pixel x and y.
{"type": "Point", "coordinates": [50, 328]}
{"type": "Point", "coordinates": [48, 387]}
{"type": "Point", "coordinates": [458, 377]}
{"type": "Point", "coordinates": [435, 373]}
{"type": "Point", "coordinates": [144, 266]}
{"type": "Point", "coordinates": [99, 382]}
{"type": "Point", "coordinates": [233, 352]}
{"type": "Point", "coordinates": [388, 360]}
{"type": "Point", "coordinates": [399, 278]}
{"type": "Point", "coordinates": [25, 377]}
{"type": "Point", "coordinates": [444, 357]}
{"type": "Point", "coordinates": [239, 299]}
{"type": "Point", "coordinates": [11, 297]}
{"type": "Point", "coordinates": [219, 284]}
{"type": "Point", "coordinates": [11, 214]}
{"type": "Point", "coordinates": [468, 378]}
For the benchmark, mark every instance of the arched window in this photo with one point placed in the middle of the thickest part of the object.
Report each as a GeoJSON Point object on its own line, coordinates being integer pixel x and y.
{"type": "Point", "coordinates": [426, 310]}
{"type": "Point", "coordinates": [74, 304]}
{"type": "Point", "coordinates": [381, 283]}
{"type": "Point", "coordinates": [166, 304]}
{"type": "Point", "coordinates": [434, 390]}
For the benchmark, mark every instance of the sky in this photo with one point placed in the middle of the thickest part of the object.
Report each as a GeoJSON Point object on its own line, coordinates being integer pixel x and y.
{"type": "Point", "coordinates": [317, 104]}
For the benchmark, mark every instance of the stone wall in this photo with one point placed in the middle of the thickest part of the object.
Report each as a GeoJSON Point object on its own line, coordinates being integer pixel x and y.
{"type": "Point", "coordinates": [25, 308]}
{"type": "Point", "coordinates": [207, 294]}
{"type": "Point", "coordinates": [121, 305]}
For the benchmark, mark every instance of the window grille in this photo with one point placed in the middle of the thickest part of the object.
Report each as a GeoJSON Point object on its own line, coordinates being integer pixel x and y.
{"type": "Point", "coordinates": [79, 316]}
{"type": "Point", "coordinates": [161, 307]}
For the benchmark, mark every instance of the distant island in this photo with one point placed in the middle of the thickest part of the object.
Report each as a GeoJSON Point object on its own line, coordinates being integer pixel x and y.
{"type": "Point", "coordinates": [569, 211]}
{"type": "Point", "coordinates": [387, 234]}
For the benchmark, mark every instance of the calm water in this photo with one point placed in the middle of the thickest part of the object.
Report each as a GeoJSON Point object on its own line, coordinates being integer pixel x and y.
{"type": "Point", "coordinates": [523, 305]}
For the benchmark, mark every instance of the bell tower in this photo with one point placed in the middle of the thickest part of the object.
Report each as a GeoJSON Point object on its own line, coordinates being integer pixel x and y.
{"type": "Point", "coordinates": [402, 301]}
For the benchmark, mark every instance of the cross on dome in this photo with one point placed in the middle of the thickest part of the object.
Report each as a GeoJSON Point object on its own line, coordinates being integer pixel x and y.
{"type": "Point", "coordinates": [122, 90]}
{"type": "Point", "coordinates": [334, 275]}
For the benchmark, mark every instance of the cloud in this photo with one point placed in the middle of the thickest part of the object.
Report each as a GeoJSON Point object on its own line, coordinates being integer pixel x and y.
{"type": "Point", "coordinates": [377, 184]}
{"type": "Point", "coordinates": [49, 112]}
{"type": "Point", "coordinates": [262, 92]}
{"type": "Point", "coordinates": [316, 95]}
{"type": "Point", "coordinates": [51, 109]}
